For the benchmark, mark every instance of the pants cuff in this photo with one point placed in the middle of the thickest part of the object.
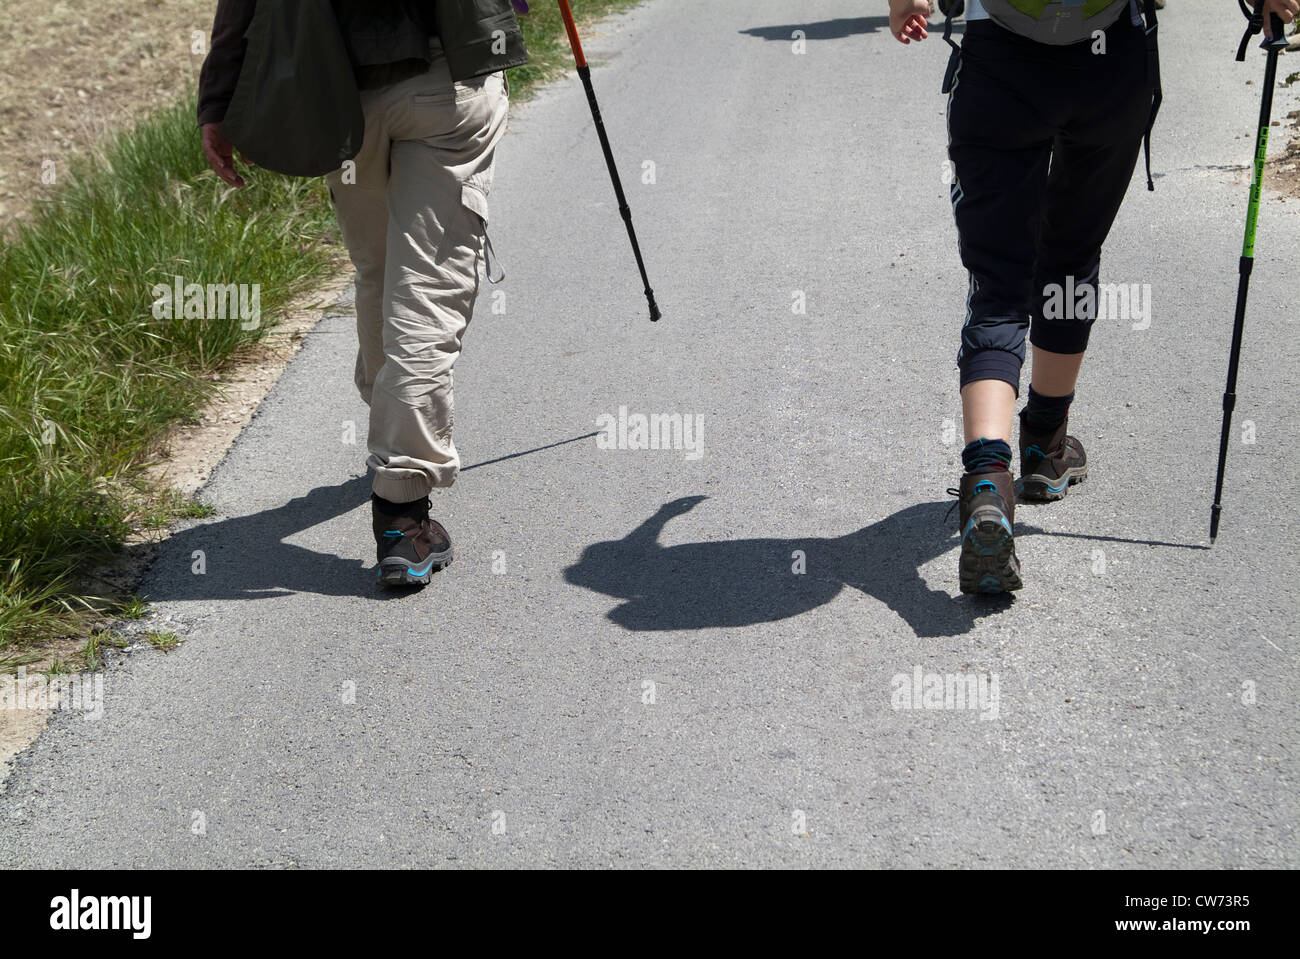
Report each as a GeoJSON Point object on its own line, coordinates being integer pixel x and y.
{"type": "Point", "coordinates": [402, 488]}
{"type": "Point", "coordinates": [1060, 336]}
{"type": "Point", "coordinates": [991, 365]}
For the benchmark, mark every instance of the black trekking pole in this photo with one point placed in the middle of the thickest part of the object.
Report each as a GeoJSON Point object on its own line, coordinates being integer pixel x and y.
{"type": "Point", "coordinates": [1247, 262]}
{"type": "Point", "coordinates": [584, 71]}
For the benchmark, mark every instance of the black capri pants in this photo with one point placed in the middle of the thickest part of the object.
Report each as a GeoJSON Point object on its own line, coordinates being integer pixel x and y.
{"type": "Point", "coordinates": [1043, 141]}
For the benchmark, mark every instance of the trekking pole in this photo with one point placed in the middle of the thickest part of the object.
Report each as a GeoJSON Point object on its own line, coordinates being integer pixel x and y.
{"type": "Point", "coordinates": [584, 71]}
{"type": "Point", "coordinates": [1247, 262]}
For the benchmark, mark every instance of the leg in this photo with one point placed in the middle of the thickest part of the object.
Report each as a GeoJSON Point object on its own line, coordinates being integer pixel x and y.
{"type": "Point", "coordinates": [1054, 374]}
{"type": "Point", "coordinates": [1050, 459]}
{"type": "Point", "coordinates": [444, 139]}
{"type": "Point", "coordinates": [1084, 192]}
{"type": "Point", "coordinates": [1000, 146]}
{"type": "Point", "coordinates": [986, 408]}
{"type": "Point", "coordinates": [1092, 165]}
{"type": "Point", "coordinates": [1000, 149]}
{"type": "Point", "coordinates": [360, 197]}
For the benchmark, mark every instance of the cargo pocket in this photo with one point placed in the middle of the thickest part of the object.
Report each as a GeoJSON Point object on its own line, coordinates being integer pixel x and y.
{"type": "Point", "coordinates": [474, 198]}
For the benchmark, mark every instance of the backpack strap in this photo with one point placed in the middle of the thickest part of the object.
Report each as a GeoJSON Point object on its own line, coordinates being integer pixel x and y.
{"type": "Point", "coordinates": [952, 8]}
{"type": "Point", "coordinates": [1153, 71]}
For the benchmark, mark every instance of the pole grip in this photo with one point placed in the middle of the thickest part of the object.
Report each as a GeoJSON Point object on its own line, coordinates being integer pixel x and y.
{"type": "Point", "coordinates": [1276, 27]}
{"type": "Point", "coordinates": [571, 29]}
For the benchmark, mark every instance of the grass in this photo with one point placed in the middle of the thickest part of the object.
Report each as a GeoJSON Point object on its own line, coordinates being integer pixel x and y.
{"type": "Point", "coordinates": [548, 45]}
{"type": "Point", "coordinates": [91, 379]}
{"type": "Point", "coordinates": [164, 642]}
{"type": "Point", "coordinates": [161, 511]}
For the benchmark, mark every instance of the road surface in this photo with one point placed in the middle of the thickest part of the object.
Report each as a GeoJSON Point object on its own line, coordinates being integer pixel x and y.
{"type": "Point", "coordinates": [701, 655]}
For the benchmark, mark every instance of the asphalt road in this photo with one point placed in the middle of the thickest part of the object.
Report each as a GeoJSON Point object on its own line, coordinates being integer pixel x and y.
{"type": "Point", "coordinates": [1146, 685]}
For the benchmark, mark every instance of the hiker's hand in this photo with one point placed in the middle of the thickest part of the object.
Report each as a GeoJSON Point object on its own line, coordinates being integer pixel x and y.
{"type": "Point", "coordinates": [1284, 10]}
{"type": "Point", "coordinates": [221, 154]}
{"type": "Point", "coordinates": [907, 19]}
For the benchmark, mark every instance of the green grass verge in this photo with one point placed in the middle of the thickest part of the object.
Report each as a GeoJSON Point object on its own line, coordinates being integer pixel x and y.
{"type": "Point", "coordinates": [90, 378]}
{"type": "Point", "coordinates": [548, 45]}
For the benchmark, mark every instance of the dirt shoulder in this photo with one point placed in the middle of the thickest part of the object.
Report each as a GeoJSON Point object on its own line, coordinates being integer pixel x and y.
{"type": "Point", "coordinates": [73, 72]}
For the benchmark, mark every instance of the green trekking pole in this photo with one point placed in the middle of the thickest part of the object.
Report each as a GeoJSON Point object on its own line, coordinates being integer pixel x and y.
{"type": "Point", "coordinates": [1273, 47]}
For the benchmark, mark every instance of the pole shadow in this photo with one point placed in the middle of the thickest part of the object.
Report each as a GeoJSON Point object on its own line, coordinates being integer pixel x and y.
{"type": "Point", "coordinates": [245, 557]}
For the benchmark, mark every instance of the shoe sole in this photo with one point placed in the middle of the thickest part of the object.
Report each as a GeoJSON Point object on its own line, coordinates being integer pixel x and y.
{"type": "Point", "coordinates": [1047, 489]}
{"type": "Point", "coordinates": [988, 562]}
{"type": "Point", "coordinates": [396, 571]}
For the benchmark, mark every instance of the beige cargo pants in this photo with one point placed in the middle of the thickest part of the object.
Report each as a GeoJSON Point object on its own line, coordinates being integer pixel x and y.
{"type": "Point", "coordinates": [414, 215]}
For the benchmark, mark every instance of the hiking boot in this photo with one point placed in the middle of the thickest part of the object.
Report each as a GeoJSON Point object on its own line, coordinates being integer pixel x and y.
{"type": "Point", "coordinates": [1050, 463]}
{"type": "Point", "coordinates": [988, 561]}
{"type": "Point", "coordinates": [412, 547]}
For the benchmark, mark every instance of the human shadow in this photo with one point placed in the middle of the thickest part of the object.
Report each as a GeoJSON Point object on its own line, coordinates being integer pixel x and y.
{"type": "Point", "coordinates": [246, 557]}
{"type": "Point", "coordinates": [838, 29]}
{"type": "Point", "coordinates": [749, 581]}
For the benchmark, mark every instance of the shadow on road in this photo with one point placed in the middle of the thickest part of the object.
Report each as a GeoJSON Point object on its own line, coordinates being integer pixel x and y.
{"type": "Point", "coordinates": [536, 449]}
{"type": "Point", "coordinates": [691, 586]}
{"type": "Point", "coordinates": [748, 581]}
{"type": "Point", "coordinates": [246, 557]}
{"type": "Point", "coordinates": [838, 29]}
